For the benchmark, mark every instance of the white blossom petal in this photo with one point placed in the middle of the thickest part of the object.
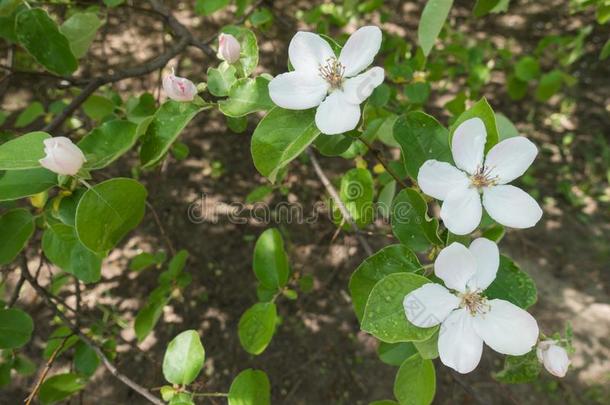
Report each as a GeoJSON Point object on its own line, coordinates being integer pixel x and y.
{"type": "Point", "coordinates": [62, 156]}
{"type": "Point", "coordinates": [455, 265]}
{"type": "Point", "coordinates": [511, 206]}
{"type": "Point", "coordinates": [554, 358]}
{"type": "Point", "coordinates": [468, 144]}
{"type": "Point", "coordinates": [437, 179]}
{"type": "Point", "coordinates": [461, 211]}
{"type": "Point", "coordinates": [297, 90]}
{"type": "Point", "coordinates": [487, 256]}
{"type": "Point", "coordinates": [359, 88]}
{"type": "Point", "coordinates": [510, 158]}
{"type": "Point", "coordinates": [360, 50]}
{"type": "Point", "coordinates": [307, 51]}
{"type": "Point", "coordinates": [335, 115]}
{"type": "Point", "coordinates": [459, 347]}
{"type": "Point", "coordinates": [506, 328]}
{"type": "Point", "coordinates": [429, 305]}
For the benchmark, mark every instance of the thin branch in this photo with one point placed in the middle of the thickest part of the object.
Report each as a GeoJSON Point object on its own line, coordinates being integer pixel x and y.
{"type": "Point", "coordinates": [17, 290]}
{"type": "Point", "coordinates": [100, 353]}
{"type": "Point", "coordinates": [381, 159]}
{"type": "Point", "coordinates": [166, 238]}
{"type": "Point", "coordinates": [337, 200]}
{"type": "Point", "coordinates": [47, 367]}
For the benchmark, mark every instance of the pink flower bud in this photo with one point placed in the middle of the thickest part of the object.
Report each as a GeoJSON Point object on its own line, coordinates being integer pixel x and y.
{"type": "Point", "coordinates": [554, 358]}
{"type": "Point", "coordinates": [179, 88]}
{"type": "Point", "coordinates": [62, 156]}
{"type": "Point", "coordinates": [228, 48]}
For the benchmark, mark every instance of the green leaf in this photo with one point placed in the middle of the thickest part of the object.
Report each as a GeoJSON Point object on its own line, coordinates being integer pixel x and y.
{"type": "Point", "coordinates": [221, 79]}
{"type": "Point", "coordinates": [237, 125]}
{"type": "Point", "coordinates": [29, 115]}
{"type": "Point", "coordinates": [270, 260]}
{"type": "Point", "coordinates": [415, 382]}
{"type": "Point", "coordinates": [280, 137]}
{"type": "Point", "coordinates": [395, 354]}
{"type": "Point", "coordinates": [482, 110]}
{"type": "Point", "coordinates": [86, 360]}
{"type": "Point", "coordinates": [418, 92]}
{"type": "Point", "coordinates": [113, 3]}
{"type": "Point", "coordinates": [506, 129]}
{"type": "Point", "coordinates": [40, 36]}
{"type": "Point", "coordinates": [605, 51]}
{"type": "Point", "coordinates": [519, 369]}
{"type": "Point", "coordinates": [256, 327]}
{"type": "Point", "coordinates": [384, 315]}
{"type": "Point", "coordinates": [60, 387]}
{"type": "Point", "coordinates": [513, 285]}
{"type": "Point", "coordinates": [428, 349]}
{"type": "Point", "coordinates": [549, 84]}
{"type": "Point", "coordinates": [207, 7]}
{"type": "Point", "coordinates": [121, 204]}
{"type": "Point", "coordinates": [167, 123]}
{"type": "Point", "coordinates": [23, 152]}
{"type": "Point", "coordinates": [391, 259]}
{"type": "Point", "coordinates": [8, 6]}
{"type": "Point", "coordinates": [527, 68]}
{"type": "Point", "coordinates": [333, 145]}
{"type": "Point", "coordinates": [517, 89]}
{"type": "Point", "coordinates": [258, 194]}
{"type": "Point", "coordinates": [248, 60]}
{"type": "Point", "coordinates": [16, 328]}
{"type": "Point", "coordinates": [247, 96]}
{"type": "Point", "coordinates": [141, 108]}
{"type": "Point", "coordinates": [357, 193]}
{"type": "Point", "coordinates": [80, 29]}
{"type": "Point", "coordinates": [17, 227]}
{"type": "Point", "coordinates": [61, 246]}
{"type": "Point", "coordinates": [385, 198]}
{"type": "Point", "coordinates": [16, 184]}
{"type": "Point", "coordinates": [182, 398]}
{"type": "Point", "coordinates": [107, 143]}
{"type": "Point", "coordinates": [145, 260]}
{"type": "Point", "coordinates": [483, 7]}
{"type": "Point", "coordinates": [98, 107]}
{"type": "Point", "coordinates": [384, 402]}
{"type": "Point", "coordinates": [431, 23]}
{"type": "Point", "coordinates": [184, 358]}
{"type": "Point", "coordinates": [148, 316]}
{"type": "Point", "coordinates": [250, 387]}
{"type": "Point", "coordinates": [24, 366]}
{"type": "Point", "coordinates": [410, 221]}
{"type": "Point", "coordinates": [421, 137]}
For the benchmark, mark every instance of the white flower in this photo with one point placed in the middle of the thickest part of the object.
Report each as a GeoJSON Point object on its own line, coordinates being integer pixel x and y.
{"type": "Point", "coordinates": [228, 48]}
{"type": "Point", "coordinates": [318, 73]}
{"type": "Point", "coordinates": [554, 357]}
{"type": "Point", "coordinates": [62, 156]}
{"type": "Point", "coordinates": [467, 318]}
{"type": "Point", "coordinates": [459, 189]}
{"type": "Point", "coordinates": [179, 88]}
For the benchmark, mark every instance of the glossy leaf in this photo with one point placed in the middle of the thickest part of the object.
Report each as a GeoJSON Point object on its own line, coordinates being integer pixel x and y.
{"type": "Point", "coordinates": [98, 107]}
{"type": "Point", "coordinates": [121, 204]}
{"type": "Point", "coordinates": [183, 358]}
{"type": "Point", "coordinates": [221, 79]}
{"type": "Point", "coordinates": [411, 223]}
{"type": "Point", "coordinates": [256, 327]}
{"type": "Point", "coordinates": [519, 369]}
{"type": "Point", "coordinates": [356, 192]}
{"type": "Point", "coordinates": [248, 60]}
{"type": "Point", "coordinates": [384, 315]}
{"type": "Point", "coordinates": [431, 23]}
{"type": "Point", "coordinates": [395, 354]}
{"type": "Point", "coordinates": [86, 360]}
{"type": "Point", "coordinates": [250, 387]}
{"type": "Point", "coordinates": [80, 29]}
{"type": "Point", "coordinates": [247, 96]}
{"type": "Point", "coordinates": [16, 328]}
{"type": "Point", "coordinates": [23, 152]}
{"type": "Point", "coordinates": [107, 143]}
{"type": "Point", "coordinates": [29, 115]}
{"type": "Point", "coordinates": [280, 137]}
{"type": "Point", "coordinates": [16, 184]}
{"type": "Point", "coordinates": [482, 110]}
{"type": "Point", "coordinates": [415, 382]}
{"type": "Point", "coordinates": [270, 261]}
{"type": "Point", "coordinates": [513, 285]}
{"type": "Point", "coordinates": [391, 259]}
{"type": "Point", "coordinates": [40, 36]}
{"type": "Point", "coordinates": [59, 387]}
{"type": "Point", "coordinates": [17, 227]}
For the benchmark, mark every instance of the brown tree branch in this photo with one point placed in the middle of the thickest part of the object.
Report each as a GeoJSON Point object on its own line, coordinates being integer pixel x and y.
{"type": "Point", "coordinates": [47, 367]}
{"type": "Point", "coordinates": [100, 353]}
{"type": "Point", "coordinates": [381, 159]}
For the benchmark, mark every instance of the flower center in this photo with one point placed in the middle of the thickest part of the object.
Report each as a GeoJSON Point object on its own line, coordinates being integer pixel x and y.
{"type": "Point", "coordinates": [483, 178]}
{"type": "Point", "coordinates": [474, 302]}
{"type": "Point", "coordinates": [332, 72]}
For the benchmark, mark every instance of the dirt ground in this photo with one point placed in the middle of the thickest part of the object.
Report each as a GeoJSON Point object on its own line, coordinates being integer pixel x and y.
{"type": "Point", "coordinates": [318, 355]}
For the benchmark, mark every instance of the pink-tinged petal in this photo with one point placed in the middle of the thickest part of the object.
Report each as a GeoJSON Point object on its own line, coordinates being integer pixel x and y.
{"type": "Point", "coordinates": [179, 88]}
{"type": "Point", "coordinates": [461, 210]}
{"type": "Point", "coordinates": [228, 48]}
{"type": "Point", "coordinates": [437, 179]}
{"type": "Point", "coordinates": [487, 256]}
{"type": "Point", "coordinates": [62, 156]}
{"type": "Point", "coordinates": [511, 206]}
{"type": "Point", "coordinates": [429, 305]}
{"type": "Point", "coordinates": [308, 51]}
{"type": "Point", "coordinates": [455, 265]}
{"type": "Point", "coordinates": [459, 347]}
{"type": "Point", "coordinates": [468, 144]}
{"type": "Point", "coordinates": [297, 90]}
{"type": "Point", "coordinates": [510, 158]}
{"type": "Point", "coordinates": [360, 50]}
{"type": "Point", "coordinates": [359, 88]}
{"type": "Point", "coordinates": [506, 328]}
{"type": "Point", "coordinates": [335, 115]}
